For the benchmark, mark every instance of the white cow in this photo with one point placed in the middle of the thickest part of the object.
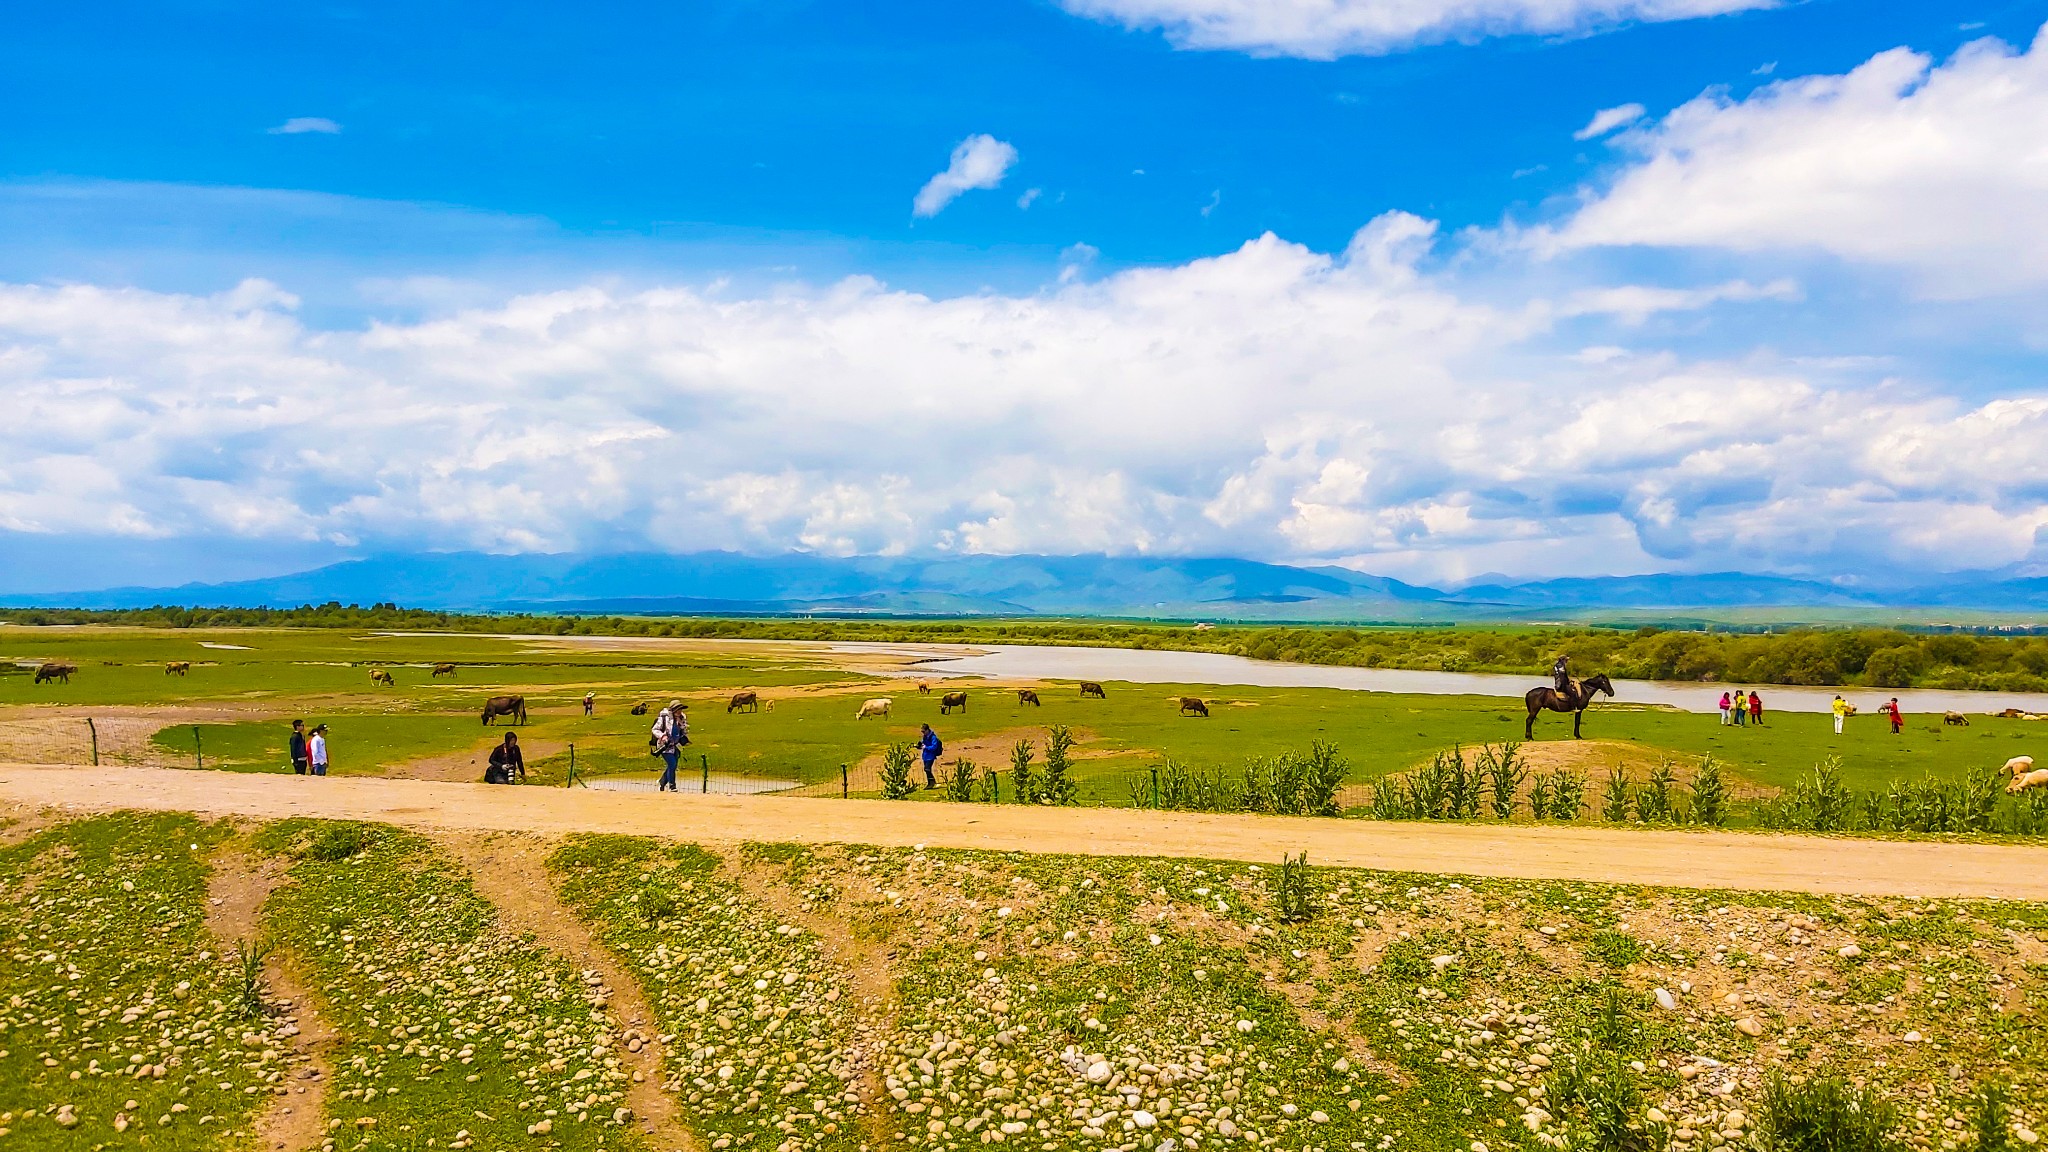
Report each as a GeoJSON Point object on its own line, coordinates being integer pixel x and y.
{"type": "Point", "coordinates": [879, 706]}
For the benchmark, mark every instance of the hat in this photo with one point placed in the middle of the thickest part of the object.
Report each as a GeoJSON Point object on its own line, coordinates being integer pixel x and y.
{"type": "Point", "coordinates": [319, 727]}
{"type": "Point", "coordinates": [675, 703]}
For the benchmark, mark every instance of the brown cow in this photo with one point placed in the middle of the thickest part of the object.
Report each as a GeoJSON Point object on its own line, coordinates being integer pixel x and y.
{"type": "Point", "coordinates": [952, 700]}
{"type": "Point", "coordinates": [1194, 704]}
{"type": "Point", "coordinates": [177, 667]}
{"type": "Point", "coordinates": [55, 670]}
{"type": "Point", "coordinates": [505, 706]}
{"type": "Point", "coordinates": [1090, 688]}
{"type": "Point", "coordinates": [380, 676]}
{"type": "Point", "coordinates": [444, 669]}
{"type": "Point", "coordinates": [743, 701]}
{"type": "Point", "coordinates": [923, 688]}
{"type": "Point", "coordinates": [1027, 696]}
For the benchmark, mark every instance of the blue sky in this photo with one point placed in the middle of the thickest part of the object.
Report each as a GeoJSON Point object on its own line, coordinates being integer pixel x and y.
{"type": "Point", "coordinates": [690, 233]}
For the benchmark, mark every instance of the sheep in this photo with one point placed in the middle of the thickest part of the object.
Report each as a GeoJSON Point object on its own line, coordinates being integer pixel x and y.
{"type": "Point", "coordinates": [1955, 719]}
{"type": "Point", "coordinates": [2024, 775]}
{"type": "Point", "coordinates": [879, 706]}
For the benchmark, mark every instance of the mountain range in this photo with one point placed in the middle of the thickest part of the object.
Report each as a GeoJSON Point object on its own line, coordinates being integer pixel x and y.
{"type": "Point", "coordinates": [727, 583]}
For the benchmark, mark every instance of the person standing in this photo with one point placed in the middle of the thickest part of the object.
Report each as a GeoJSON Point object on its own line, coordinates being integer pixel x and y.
{"type": "Point", "coordinates": [300, 755]}
{"type": "Point", "coordinates": [1756, 708]}
{"type": "Point", "coordinates": [1736, 710]}
{"type": "Point", "coordinates": [671, 731]}
{"type": "Point", "coordinates": [929, 747]}
{"type": "Point", "coordinates": [316, 750]}
{"type": "Point", "coordinates": [1724, 709]}
{"type": "Point", "coordinates": [1841, 710]}
{"type": "Point", "coordinates": [1891, 709]}
{"type": "Point", "coordinates": [590, 703]}
{"type": "Point", "coordinates": [506, 762]}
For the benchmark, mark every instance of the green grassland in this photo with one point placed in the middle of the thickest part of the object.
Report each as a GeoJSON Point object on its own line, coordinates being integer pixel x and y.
{"type": "Point", "coordinates": [808, 728]}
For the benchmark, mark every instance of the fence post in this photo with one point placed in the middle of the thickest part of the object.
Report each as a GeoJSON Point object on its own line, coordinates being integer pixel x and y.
{"type": "Point", "coordinates": [1155, 786]}
{"type": "Point", "coordinates": [198, 752]}
{"type": "Point", "coordinates": [845, 783]}
{"type": "Point", "coordinates": [705, 760]}
{"type": "Point", "coordinates": [90, 727]}
{"type": "Point", "coordinates": [995, 787]}
{"type": "Point", "coordinates": [571, 781]}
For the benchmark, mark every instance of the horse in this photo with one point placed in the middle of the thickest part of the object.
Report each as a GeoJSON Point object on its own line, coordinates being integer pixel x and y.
{"type": "Point", "coordinates": [55, 670]}
{"type": "Point", "coordinates": [1195, 705]}
{"type": "Point", "coordinates": [1540, 699]}
{"type": "Point", "coordinates": [505, 706]}
{"type": "Point", "coordinates": [1027, 696]}
{"type": "Point", "coordinates": [177, 668]}
{"type": "Point", "coordinates": [444, 669]}
{"type": "Point", "coordinates": [743, 702]}
{"type": "Point", "coordinates": [1091, 688]}
{"type": "Point", "coordinates": [952, 700]}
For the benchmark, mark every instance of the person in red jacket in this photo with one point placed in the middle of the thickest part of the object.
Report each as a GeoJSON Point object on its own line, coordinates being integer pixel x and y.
{"type": "Point", "coordinates": [1891, 710]}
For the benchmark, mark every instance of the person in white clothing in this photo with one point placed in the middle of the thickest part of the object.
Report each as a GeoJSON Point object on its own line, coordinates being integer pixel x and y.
{"type": "Point", "coordinates": [316, 750]}
{"type": "Point", "coordinates": [671, 731]}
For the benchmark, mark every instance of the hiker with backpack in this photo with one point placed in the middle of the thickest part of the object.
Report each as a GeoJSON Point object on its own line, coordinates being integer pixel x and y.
{"type": "Point", "coordinates": [666, 739]}
{"type": "Point", "coordinates": [929, 747]}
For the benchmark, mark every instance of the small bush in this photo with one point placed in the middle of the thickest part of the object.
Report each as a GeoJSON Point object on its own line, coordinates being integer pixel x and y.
{"type": "Point", "coordinates": [959, 784]}
{"type": "Point", "coordinates": [1567, 795]}
{"type": "Point", "coordinates": [1709, 794]}
{"type": "Point", "coordinates": [249, 958]}
{"type": "Point", "coordinates": [1540, 798]}
{"type": "Point", "coordinates": [1615, 949]}
{"type": "Point", "coordinates": [1023, 783]}
{"type": "Point", "coordinates": [1056, 786]}
{"type": "Point", "coordinates": [1653, 799]}
{"type": "Point", "coordinates": [1825, 1115]}
{"type": "Point", "coordinates": [1505, 774]}
{"type": "Point", "coordinates": [896, 783]}
{"type": "Point", "coordinates": [1991, 1120]}
{"type": "Point", "coordinates": [1602, 1103]}
{"type": "Point", "coordinates": [1297, 895]}
{"type": "Point", "coordinates": [1614, 1021]}
{"type": "Point", "coordinates": [1614, 798]}
{"type": "Point", "coordinates": [336, 842]}
{"type": "Point", "coordinates": [1403, 960]}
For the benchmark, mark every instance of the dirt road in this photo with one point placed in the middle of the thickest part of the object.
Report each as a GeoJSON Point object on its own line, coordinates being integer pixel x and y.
{"type": "Point", "coordinates": [1684, 859]}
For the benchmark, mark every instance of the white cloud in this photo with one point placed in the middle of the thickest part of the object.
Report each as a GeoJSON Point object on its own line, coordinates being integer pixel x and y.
{"type": "Point", "coordinates": [1938, 170]}
{"type": "Point", "coordinates": [298, 125]}
{"type": "Point", "coordinates": [980, 161]}
{"type": "Point", "coordinates": [1030, 197]}
{"type": "Point", "coordinates": [1608, 119]}
{"type": "Point", "coordinates": [1273, 401]}
{"type": "Point", "coordinates": [1326, 29]}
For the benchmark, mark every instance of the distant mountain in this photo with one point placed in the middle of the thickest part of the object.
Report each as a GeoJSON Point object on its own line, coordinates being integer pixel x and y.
{"type": "Point", "coordinates": [713, 583]}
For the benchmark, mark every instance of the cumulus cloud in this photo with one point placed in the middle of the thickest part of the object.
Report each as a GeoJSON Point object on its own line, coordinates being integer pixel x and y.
{"type": "Point", "coordinates": [1272, 401]}
{"type": "Point", "coordinates": [299, 125]}
{"type": "Point", "coordinates": [980, 161]}
{"type": "Point", "coordinates": [1327, 29]}
{"type": "Point", "coordinates": [1608, 119]}
{"type": "Point", "coordinates": [1937, 169]}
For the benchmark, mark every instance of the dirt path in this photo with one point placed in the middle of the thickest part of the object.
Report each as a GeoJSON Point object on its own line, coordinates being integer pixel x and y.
{"type": "Point", "coordinates": [507, 871]}
{"type": "Point", "coordinates": [1756, 862]}
{"type": "Point", "coordinates": [237, 886]}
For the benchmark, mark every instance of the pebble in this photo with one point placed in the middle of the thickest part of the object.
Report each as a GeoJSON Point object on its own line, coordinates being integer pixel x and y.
{"type": "Point", "coordinates": [1666, 1000]}
{"type": "Point", "coordinates": [1749, 1027]}
{"type": "Point", "coordinates": [1849, 952]}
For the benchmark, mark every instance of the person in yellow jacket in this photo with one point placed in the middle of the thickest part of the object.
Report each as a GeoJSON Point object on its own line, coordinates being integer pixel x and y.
{"type": "Point", "coordinates": [1841, 710]}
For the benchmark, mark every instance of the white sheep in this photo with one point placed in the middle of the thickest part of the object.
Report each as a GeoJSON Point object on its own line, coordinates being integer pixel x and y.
{"type": "Point", "coordinates": [2024, 775]}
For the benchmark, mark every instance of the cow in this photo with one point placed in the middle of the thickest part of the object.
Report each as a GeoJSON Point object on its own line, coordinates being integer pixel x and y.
{"type": "Point", "coordinates": [1193, 704]}
{"type": "Point", "coordinates": [444, 669]}
{"type": "Point", "coordinates": [1955, 719]}
{"type": "Point", "coordinates": [2024, 774]}
{"type": "Point", "coordinates": [639, 709]}
{"type": "Point", "coordinates": [505, 706]}
{"type": "Point", "coordinates": [952, 700]}
{"type": "Point", "coordinates": [382, 676]}
{"type": "Point", "coordinates": [177, 667]}
{"type": "Point", "coordinates": [924, 688]}
{"type": "Point", "coordinates": [1027, 696]}
{"type": "Point", "coordinates": [55, 670]}
{"type": "Point", "coordinates": [879, 706]}
{"type": "Point", "coordinates": [1090, 688]}
{"type": "Point", "coordinates": [743, 702]}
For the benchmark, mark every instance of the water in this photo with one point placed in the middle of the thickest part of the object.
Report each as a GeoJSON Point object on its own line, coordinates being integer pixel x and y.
{"type": "Point", "coordinates": [1147, 666]}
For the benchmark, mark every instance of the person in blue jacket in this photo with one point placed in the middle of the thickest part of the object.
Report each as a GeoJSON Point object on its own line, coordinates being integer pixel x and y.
{"type": "Point", "coordinates": [929, 747]}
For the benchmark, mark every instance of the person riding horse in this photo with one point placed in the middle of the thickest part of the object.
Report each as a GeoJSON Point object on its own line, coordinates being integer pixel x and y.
{"type": "Point", "coordinates": [1560, 674]}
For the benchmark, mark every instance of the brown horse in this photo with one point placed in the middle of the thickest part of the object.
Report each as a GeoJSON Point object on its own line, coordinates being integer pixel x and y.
{"type": "Point", "coordinates": [1575, 702]}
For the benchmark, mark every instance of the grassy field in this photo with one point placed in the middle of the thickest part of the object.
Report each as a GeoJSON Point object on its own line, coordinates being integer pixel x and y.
{"type": "Point", "coordinates": [245, 684]}
{"type": "Point", "coordinates": [855, 998]}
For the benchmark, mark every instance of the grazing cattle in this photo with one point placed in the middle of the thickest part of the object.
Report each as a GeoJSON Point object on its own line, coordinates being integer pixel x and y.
{"type": "Point", "coordinates": [923, 688]}
{"type": "Point", "coordinates": [505, 706]}
{"type": "Point", "coordinates": [639, 709]}
{"type": "Point", "coordinates": [1195, 705]}
{"type": "Point", "coordinates": [2024, 774]}
{"type": "Point", "coordinates": [380, 676]}
{"type": "Point", "coordinates": [444, 669]}
{"type": "Point", "coordinates": [743, 702]}
{"type": "Point", "coordinates": [1027, 696]}
{"type": "Point", "coordinates": [177, 667]}
{"type": "Point", "coordinates": [1955, 719]}
{"type": "Point", "coordinates": [952, 700]}
{"type": "Point", "coordinates": [1090, 688]}
{"type": "Point", "coordinates": [55, 670]}
{"type": "Point", "coordinates": [879, 706]}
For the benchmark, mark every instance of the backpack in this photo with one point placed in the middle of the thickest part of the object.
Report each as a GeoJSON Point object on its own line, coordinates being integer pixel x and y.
{"type": "Point", "coordinates": [937, 749]}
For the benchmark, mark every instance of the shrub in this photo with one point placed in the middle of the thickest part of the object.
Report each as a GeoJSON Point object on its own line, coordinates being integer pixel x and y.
{"type": "Point", "coordinates": [959, 785]}
{"type": "Point", "coordinates": [1709, 794]}
{"type": "Point", "coordinates": [1540, 798]}
{"type": "Point", "coordinates": [1991, 1120]}
{"type": "Point", "coordinates": [1824, 1115]}
{"type": "Point", "coordinates": [1653, 799]}
{"type": "Point", "coordinates": [1056, 786]}
{"type": "Point", "coordinates": [1505, 775]}
{"type": "Point", "coordinates": [1615, 949]}
{"type": "Point", "coordinates": [1567, 795]}
{"type": "Point", "coordinates": [1403, 960]}
{"type": "Point", "coordinates": [1022, 781]}
{"type": "Point", "coordinates": [1297, 892]}
{"type": "Point", "coordinates": [896, 783]}
{"type": "Point", "coordinates": [1600, 1097]}
{"type": "Point", "coordinates": [1324, 770]}
{"type": "Point", "coordinates": [335, 842]}
{"type": "Point", "coordinates": [249, 958]}
{"type": "Point", "coordinates": [1614, 798]}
